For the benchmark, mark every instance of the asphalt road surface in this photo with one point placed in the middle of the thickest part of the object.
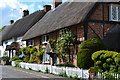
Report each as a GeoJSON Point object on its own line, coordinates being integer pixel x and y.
{"type": "Point", "coordinates": [14, 73]}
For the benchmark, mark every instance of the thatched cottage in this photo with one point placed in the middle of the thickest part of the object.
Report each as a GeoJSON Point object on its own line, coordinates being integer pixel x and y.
{"type": "Point", "coordinates": [85, 19]}
{"type": "Point", "coordinates": [13, 34]}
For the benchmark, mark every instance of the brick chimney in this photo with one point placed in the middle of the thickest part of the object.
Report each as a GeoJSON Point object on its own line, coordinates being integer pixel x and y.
{"type": "Point", "coordinates": [56, 3]}
{"type": "Point", "coordinates": [47, 8]}
{"type": "Point", "coordinates": [25, 13]}
{"type": "Point", "coordinates": [11, 21]}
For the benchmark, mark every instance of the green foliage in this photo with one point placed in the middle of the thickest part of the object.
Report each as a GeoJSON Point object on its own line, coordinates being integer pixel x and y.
{"type": "Point", "coordinates": [117, 59]}
{"type": "Point", "coordinates": [63, 74]}
{"type": "Point", "coordinates": [40, 53]}
{"type": "Point", "coordinates": [113, 68]}
{"type": "Point", "coordinates": [17, 63]}
{"type": "Point", "coordinates": [65, 65]}
{"type": "Point", "coordinates": [106, 66]}
{"type": "Point", "coordinates": [18, 60]}
{"type": "Point", "coordinates": [30, 54]}
{"type": "Point", "coordinates": [52, 44]}
{"type": "Point", "coordinates": [109, 54]}
{"type": "Point", "coordinates": [119, 70]}
{"type": "Point", "coordinates": [32, 59]}
{"type": "Point", "coordinates": [26, 59]}
{"type": "Point", "coordinates": [87, 48]}
{"type": "Point", "coordinates": [107, 60]}
{"type": "Point", "coordinates": [108, 76]}
{"type": "Point", "coordinates": [99, 63]}
{"type": "Point", "coordinates": [96, 55]}
{"type": "Point", "coordinates": [65, 42]}
{"type": "Point", "coordinates": [32, 50]}
{"type": "Point", "coordinates": [5, 58]}
{"type": "Point", "coordinates": [84, 59]}
{"type": "Point", "coordinates": [92, 44]}
{"type": "Point", "coordinates": [93, 70]}
{"type": "Point", "coordinates": [15, 58]}
{"type": "Point", "coordinates": [47, 70]}
{"type": "Point", "coordinates": [2, 28]}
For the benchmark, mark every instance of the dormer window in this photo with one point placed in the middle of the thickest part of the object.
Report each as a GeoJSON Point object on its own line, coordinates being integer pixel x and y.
{"type": "Point", "coordinates": [114, 12]}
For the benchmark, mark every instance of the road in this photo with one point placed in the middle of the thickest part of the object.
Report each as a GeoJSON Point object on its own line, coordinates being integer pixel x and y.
{"type": "Point", "coordinates": [14, 73]}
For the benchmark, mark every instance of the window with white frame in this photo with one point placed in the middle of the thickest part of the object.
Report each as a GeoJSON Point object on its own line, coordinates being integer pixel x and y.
{"type": "Point", "coordinates": [45, 38]}
{"type": "Point", "coordinates": [114, 12]}
{"type": "Point", "coordinates": [30, 42]}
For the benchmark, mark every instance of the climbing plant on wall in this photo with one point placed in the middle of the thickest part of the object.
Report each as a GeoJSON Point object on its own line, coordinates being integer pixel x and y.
{"type": "Point", "coordinates": [64, 43]}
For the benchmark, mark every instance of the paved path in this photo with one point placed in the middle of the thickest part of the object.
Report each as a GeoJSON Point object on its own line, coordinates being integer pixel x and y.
{"type": "Point", "coordinates": [10, 72]}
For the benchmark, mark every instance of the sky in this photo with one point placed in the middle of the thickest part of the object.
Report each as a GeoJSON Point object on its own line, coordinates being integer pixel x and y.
{"type": "Point", "coordinates": [13, 9]}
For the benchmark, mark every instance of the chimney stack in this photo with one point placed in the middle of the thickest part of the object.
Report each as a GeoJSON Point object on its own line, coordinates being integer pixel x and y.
{"type": "Point", "coordinates": [47, 8]}
{"type": "Point", "coordinates": [25, 13]}
{"type": "Point", "coordinates": [11, 21]}
{"type": "Point", "coordinates": [56, 3]}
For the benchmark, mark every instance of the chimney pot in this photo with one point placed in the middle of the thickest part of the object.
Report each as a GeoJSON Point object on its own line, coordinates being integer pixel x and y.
{"type": "Point", "coordinates": [11, 21]}
{"type": "Point", "coordinates": [56, 3]}
{"type": "Point", "coordinates": [47, 8]}
{"type": "Point", "coordinates": [25, 13]}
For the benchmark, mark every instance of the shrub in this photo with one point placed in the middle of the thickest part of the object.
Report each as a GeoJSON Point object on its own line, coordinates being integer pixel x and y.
{"type": "Point", "coordinates": [84, 59]}
{"type": "Point", "coordinates": [109, 54]}
{"type": "Point", "coordinates": [32, 50]}
{"type": "Point", "coordinates": [96, 55]}
{"type": "Point", "coordinates": [32, 59]}
{"type": "Point", "coordinates": [99, 63]}
{"type": "Point", "coordinates": [26, 59]}
{"type": "Point", "coordinates": [106, 66]}
{"type": "Point", "coordinates": [117, 59]}
{"type": "Point", "coordinates": [113, 68]}
{"type": "Point", "coordinates": [18, 60]}
{"type": "Point", "coordinates": [93, 70]}
{"type": "Point", "coordinates": [15, 58]}
{"type": "Point", "coordinates": [108, 76]}
{"type": "Point", "coordinates": [93, 44]}
{"type": "Point", "coordinates": [87, 48]}
{"type": "Point", "coordinates": [119, 70]}
{"type": "Point", "coordinates": [109, 60]}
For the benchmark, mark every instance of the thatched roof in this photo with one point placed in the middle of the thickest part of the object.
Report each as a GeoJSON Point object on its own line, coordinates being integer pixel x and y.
{"type": "Point", "coordinates": [65, 15]}
{"type": "Point", "coordinates": [21, 26]}
{"type": "Point", "coordinates": [112, 38]}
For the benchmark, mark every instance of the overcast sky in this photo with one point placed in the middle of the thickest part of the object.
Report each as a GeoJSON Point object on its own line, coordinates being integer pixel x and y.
{"type": "Point", "coordinates": [12, 9]}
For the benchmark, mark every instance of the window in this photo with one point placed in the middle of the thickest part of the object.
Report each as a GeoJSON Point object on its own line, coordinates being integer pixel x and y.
{"type": "Point", "coordinates": [30, 43]}
{"type": "Point", "coordinates": [45, 38]}
{"type": "Point", "coordinates": [114, 12]}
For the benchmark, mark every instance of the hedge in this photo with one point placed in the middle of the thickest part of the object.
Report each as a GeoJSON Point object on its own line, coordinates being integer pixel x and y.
{"type": "Point", "coordinates": [87, 48]}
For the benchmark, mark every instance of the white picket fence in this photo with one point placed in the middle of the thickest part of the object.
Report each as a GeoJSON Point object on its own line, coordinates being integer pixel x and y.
{"type": "Point", "coordinates": [55, 69]}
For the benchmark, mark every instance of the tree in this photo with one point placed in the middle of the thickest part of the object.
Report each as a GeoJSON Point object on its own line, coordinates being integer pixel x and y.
{"type": "Point", "coordinates": [65, 41]}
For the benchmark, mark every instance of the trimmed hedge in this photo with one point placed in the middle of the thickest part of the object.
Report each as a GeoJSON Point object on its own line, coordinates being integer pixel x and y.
{"type": "Point", "coordinates": [107, 60]}
{"type": "Point", "coordinates": [87, 48]}
{"type": "Point", "coordinates": [84, 59]}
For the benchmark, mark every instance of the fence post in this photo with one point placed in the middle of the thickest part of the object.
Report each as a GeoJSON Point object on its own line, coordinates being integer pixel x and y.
{"type": "Point", "coordinates": [81, 73]}
{"type": "Point", "coordinates": [50, 69]}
